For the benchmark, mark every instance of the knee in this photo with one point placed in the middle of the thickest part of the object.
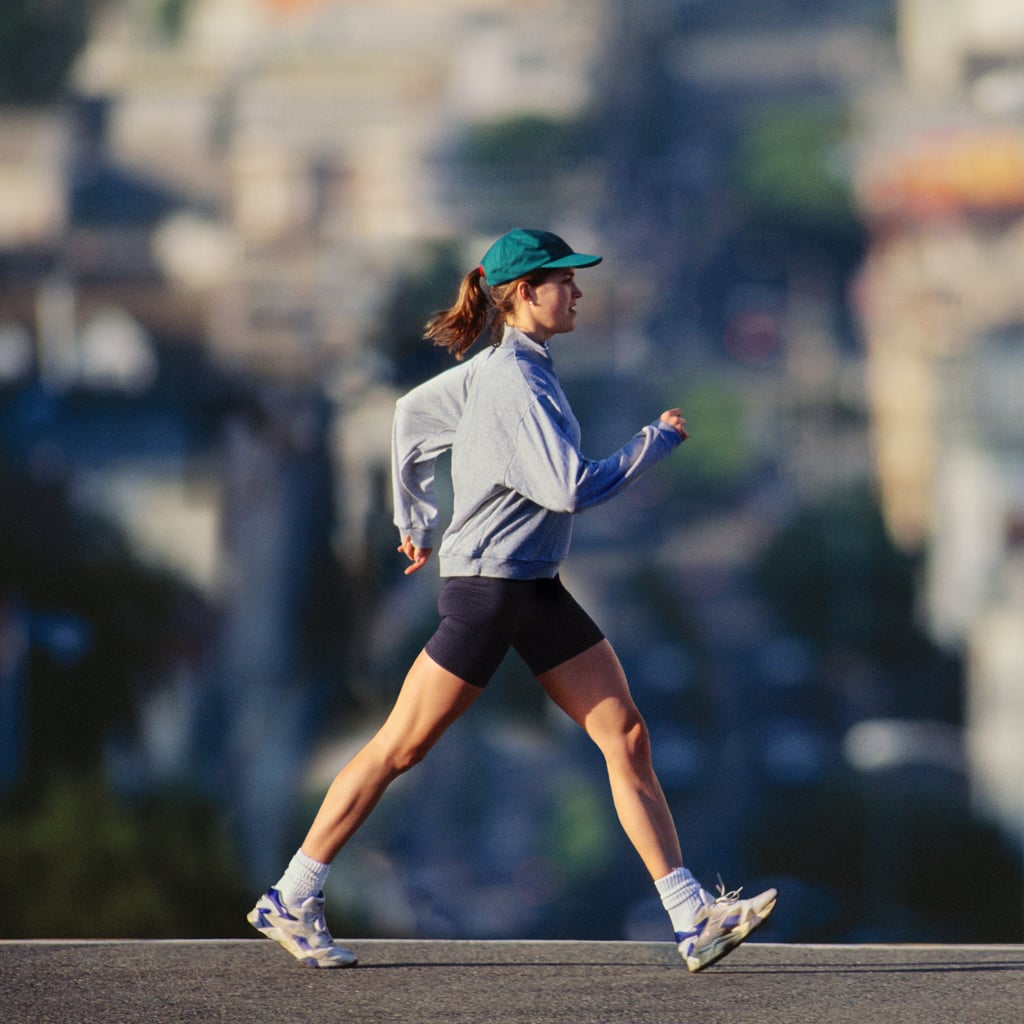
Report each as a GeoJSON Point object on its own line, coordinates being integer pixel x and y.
{"type": "Point", "coordinates": [638, 742]}
{"type": "Point", "coordinates": [408, 757]}
{"type": "Point", "coordinates": [396, 759]}
{"type": "Point", "coordinates": [629, 743]}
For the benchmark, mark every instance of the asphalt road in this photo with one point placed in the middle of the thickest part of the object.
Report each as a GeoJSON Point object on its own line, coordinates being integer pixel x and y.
{"type": "Point", "coordinates": [252, 980]}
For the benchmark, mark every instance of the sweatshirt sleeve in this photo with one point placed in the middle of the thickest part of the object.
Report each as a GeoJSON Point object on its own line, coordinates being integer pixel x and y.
{"type": "Point", "coordinates": [423, 428]}
{"type": "Point", "coordinates": [549, 469]}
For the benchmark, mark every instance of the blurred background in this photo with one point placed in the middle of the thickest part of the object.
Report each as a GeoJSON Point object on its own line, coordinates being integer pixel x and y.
{"type": "Point", "coordinates": [222, 226]}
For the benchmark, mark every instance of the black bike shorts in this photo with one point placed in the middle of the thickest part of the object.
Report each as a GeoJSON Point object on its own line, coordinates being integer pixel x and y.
{"type": "Point", "coordinates": [482, 617]}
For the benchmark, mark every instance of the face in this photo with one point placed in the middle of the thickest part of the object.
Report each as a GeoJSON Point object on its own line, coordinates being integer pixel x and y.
{"type": "Point", "coordinates": [551, 305]}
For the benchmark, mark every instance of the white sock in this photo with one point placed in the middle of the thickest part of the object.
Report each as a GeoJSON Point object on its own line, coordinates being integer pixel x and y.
{"type": "Point", "coordinates": [302, 878]}
{"type": "Point", "coordinates": [682, 897]}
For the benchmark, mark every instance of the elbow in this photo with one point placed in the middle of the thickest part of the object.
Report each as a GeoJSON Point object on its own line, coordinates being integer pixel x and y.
{"type": "Point", "coordinates": [559, 504]}
{"type": "Point", "coordinates": [563, 498]}
{"type": "Point", "coordinates": [569, 503]}
{"type": "Point", "coordinates": [584, 495]}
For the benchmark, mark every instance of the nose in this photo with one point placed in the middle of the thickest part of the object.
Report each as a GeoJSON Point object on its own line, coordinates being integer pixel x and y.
{"type": "Point", "coordinates": [576, 293]}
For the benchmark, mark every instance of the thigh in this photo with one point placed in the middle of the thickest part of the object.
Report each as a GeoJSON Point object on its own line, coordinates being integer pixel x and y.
{"type": "Point", "coordinates": [431, 698]}
{"type": "Point", "coordinates": [554, 628]}
{"type": "Point", "coordinates": [591, 688]}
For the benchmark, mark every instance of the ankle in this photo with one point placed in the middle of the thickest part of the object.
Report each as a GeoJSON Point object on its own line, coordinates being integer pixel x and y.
{"type": "Point", "coordinates": [682, 897]}
{"type": "Point", "coordinates": [304, 877]}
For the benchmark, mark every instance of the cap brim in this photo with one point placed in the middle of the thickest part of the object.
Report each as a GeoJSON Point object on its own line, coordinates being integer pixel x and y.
{"type": "Point", "coordinates": [575, 259]}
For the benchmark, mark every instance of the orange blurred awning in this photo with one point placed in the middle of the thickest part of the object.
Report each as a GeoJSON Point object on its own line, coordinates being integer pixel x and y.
{"type": "Point", "coordinates": [944, 172]}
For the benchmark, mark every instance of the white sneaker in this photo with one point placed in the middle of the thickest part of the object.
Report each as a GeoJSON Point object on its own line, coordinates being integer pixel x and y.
{"type": "Point", "coordinates": [722, 924]}
{"type": "Point", "coordinates": [301, 930]}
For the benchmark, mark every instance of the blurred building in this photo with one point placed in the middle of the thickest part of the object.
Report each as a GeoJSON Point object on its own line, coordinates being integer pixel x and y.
{"type": "Point", "coordinates": [310, 138]}
{"type": "Point", "coordinates": [195, 247]}
{"type": "Point", "coordinates": [244, 187]}
{"type": "Point", "coordinates": [242, 193]}
{"type": "Point", "coordinates": [941, 186]}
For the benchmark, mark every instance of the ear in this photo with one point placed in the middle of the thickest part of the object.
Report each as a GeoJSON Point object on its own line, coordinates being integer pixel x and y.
{"type": "Point", "coordinates": [525, 293]}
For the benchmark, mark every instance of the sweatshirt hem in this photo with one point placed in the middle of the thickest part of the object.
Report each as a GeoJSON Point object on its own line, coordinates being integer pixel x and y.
{"type": "Point", "coordinates": [506, 569]}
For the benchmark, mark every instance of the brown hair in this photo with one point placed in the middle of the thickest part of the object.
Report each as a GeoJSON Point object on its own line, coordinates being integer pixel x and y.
{"type": "Point", "coordinates": [477, 309]}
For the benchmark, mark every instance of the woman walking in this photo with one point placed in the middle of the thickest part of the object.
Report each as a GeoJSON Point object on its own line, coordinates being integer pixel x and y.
{"type": "Point", "coordinates": [518, 478]}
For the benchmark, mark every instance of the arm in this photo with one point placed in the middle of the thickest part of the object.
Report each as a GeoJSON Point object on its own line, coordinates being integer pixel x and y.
{"type": "Point", "coordinates": [549, 469]}
{"type": "Point", "coordinates": [423, 427]}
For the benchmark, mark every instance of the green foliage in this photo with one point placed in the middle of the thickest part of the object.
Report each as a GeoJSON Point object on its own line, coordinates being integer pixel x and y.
{"type": "Point", "coordinates": [520, 144]}
{"type": "Point", "coordinates": [718, 453]}
{"type": "Point", "coordinates": [80, 864]}
{"type": "Point", "coordinates": [171, 16]}
{"type": "Point", "coordinates": [581, 831]}
{"type": "Point", "coordinates": [788, 165]}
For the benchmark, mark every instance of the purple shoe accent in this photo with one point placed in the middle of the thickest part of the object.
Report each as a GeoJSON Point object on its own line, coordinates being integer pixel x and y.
{"type": "Point", "coordinates": [275, 897]}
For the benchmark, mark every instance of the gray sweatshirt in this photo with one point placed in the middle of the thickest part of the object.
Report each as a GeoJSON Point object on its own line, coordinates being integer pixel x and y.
{"type": "Point", "coordinates": [518, 475]}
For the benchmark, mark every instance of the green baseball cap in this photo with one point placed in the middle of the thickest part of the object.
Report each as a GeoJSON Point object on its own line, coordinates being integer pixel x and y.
{"type": "Point", "coordinates": [523, 250]}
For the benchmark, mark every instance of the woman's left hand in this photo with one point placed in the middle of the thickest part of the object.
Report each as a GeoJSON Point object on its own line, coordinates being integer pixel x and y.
{"type": "Point", "coordinates": [674, 418]}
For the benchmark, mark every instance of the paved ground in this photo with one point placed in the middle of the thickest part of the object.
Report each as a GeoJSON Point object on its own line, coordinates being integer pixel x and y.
{"type": "Point", "coordinates": [249, 981]}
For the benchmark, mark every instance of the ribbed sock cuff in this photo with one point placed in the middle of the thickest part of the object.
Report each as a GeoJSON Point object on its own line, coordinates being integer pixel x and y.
{"type": "Point", "coordinates": [303, 877]}
{"type": "Point", "coordinates": [681, 896]}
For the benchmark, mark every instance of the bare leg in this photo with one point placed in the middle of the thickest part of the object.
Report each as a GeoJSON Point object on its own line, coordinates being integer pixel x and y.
{"type": "Point", "coordinates": [592, 689]}
{"type": "Point", "coordinates": [431, 699]}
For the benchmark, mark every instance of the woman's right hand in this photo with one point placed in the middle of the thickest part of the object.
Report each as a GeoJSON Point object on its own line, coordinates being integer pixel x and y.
{"type": "Point", "coordinates": [674, 418]}
{"type": "Point", "coordinates": [418, 556]}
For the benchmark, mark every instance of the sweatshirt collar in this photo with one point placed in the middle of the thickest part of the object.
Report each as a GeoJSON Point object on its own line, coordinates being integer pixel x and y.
{"type": "Point", "coordinates": [515, 337]}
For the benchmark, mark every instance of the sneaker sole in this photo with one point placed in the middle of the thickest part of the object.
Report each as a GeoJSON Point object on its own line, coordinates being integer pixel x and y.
{"type": "Point", "coordinates": [727, 943]}
{"type": "Point", "coordinates": [285, 941]}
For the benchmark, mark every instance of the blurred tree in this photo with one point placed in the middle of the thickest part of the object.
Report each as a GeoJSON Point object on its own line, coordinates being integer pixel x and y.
{"type": "Point", "coordinates": [428, 284]}
{"type": "Point", "coordinates": [529, 146]}
{"type": "Point", "coordinates": [38, 43]}
{"type": "Point", "coordinates": [719, 456]}
{"type": "Point", "coordinates": [523, 170]}
{"type": "Point", "coordinates": [835, 577]}
{"type": "Point", "coordinates": [879, 852]}
{"type": "Point", "coordinates": [789, 164]}
{"type": "Point", "coordinates": [132, 619]}
{"type": "Point", "coordinates": [795, 223]}
{"type": "Point", "coordinates": [172, 15]}
{"type": "Point", "coordinates": [80, 864]}
{"type": "Point", "coordinates": [101, 626]}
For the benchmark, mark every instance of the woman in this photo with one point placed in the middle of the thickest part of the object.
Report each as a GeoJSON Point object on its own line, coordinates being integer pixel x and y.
{"type": "Point", "coordinates": [518, 478]}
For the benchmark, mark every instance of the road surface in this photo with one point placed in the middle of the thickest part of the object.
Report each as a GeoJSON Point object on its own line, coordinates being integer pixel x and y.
{"type": "Point", "coordinates": [422, 982]}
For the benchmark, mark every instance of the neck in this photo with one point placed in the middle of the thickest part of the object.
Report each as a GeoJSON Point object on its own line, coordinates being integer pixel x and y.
{"type": "Point", "coordinates": [535, 334]}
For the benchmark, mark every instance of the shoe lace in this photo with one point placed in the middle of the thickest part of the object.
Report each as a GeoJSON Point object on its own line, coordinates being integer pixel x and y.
{"type": "Point", "coordinates": [727, 897]}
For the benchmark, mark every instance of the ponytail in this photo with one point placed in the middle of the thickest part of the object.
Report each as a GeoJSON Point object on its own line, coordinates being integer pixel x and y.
{"type": "Point", "coordinates": [477, 309]}
{"type": "Point", "coordinates": [458, 327]}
